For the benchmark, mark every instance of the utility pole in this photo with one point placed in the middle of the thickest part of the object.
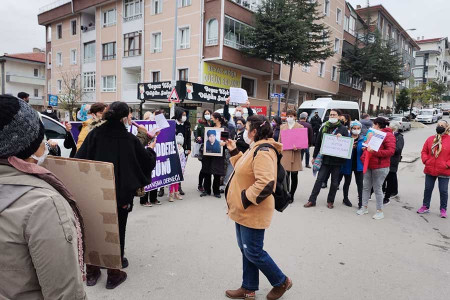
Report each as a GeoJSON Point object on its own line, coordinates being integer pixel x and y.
{"type": "Point", "coordinates": [174, 62]}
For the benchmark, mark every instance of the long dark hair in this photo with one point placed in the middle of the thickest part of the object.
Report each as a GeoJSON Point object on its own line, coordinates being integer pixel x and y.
{"type": "Point", "coordinates": [219, 117]}
{"type": "Point", "coordinates": [116, 111]}
{"type": "Point", "coordinates": [262, 126]}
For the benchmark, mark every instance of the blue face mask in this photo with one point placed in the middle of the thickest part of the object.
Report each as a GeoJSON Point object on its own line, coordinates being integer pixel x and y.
{"type": "Point", "coordinates": [240, 126]}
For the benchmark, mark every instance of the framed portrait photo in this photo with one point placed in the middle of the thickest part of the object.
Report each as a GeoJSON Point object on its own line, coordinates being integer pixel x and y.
{"type": "Point", "coordinates": [212, 141]}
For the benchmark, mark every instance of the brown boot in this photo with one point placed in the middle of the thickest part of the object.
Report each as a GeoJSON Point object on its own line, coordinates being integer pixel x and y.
{"type": "Point", "coordinates": [92, 275]}
{"type": "Point", "coordinates": [278, 291]}
{"type": "Point", "coordinates": [115, 278]}
{"type": "Point", "coordinates": [241, 293]}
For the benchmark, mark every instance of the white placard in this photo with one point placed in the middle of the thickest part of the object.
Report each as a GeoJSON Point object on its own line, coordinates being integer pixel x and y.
{"type": "Point", "coordinates": [374, 139]}
{"type": "Point", "coordinates": [238, 95]}
{"type": "Point", "coordinates": [337, 146]}
{"type": "Point", "coordinates": [161, 121]}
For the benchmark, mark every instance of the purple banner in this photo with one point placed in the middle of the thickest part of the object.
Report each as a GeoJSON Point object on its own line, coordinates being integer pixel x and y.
{"type": "Point", "coordinates": [168, 167]}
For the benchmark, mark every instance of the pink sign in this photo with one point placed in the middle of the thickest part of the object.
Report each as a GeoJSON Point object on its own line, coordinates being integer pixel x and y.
{"type": "Point", "coordinates": [294, 138]}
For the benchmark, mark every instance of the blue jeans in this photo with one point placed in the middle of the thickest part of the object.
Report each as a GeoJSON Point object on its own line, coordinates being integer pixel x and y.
{"type": "Point", "coordinates": [254, 258]}
{"type": "Point", "coordinates": [429, 186]}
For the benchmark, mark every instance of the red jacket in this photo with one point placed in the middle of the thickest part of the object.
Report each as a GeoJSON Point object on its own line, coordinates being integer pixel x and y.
{"type": "Point", "coordinates": [382, 158]}
{"type": "Point", "coordinates": [439, 166]}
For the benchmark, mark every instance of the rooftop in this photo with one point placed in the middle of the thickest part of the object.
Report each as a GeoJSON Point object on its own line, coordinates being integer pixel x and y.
{"type": "Point", "coordinates": [31, 56]}
{"type": "Point", "coordinates": [434, 40]}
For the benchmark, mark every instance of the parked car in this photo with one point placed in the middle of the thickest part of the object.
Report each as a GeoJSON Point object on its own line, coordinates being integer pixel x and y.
{"type": "Point", "coordinates": [405, 125]}
{"type": "Point", "coordinates": [440, 114]}
{"type": "Point", "coordinates": [428, 115]}
{"type": "Point", "coordinates": [57, 132]}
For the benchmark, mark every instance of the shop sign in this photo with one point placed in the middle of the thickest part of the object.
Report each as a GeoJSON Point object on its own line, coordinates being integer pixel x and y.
{"type": "Point", "coordinates": [199, 92]}
{"type": "Point", "coordinates": [260, 110]}
{"type": "Point", "coordinates": [154, 90]}
{"type": "Point", "coordinates": [220, 76]}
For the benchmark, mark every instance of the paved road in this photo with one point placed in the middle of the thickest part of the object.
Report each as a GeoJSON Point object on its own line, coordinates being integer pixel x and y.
{"type": "Point", "coordinates": [187, 249]}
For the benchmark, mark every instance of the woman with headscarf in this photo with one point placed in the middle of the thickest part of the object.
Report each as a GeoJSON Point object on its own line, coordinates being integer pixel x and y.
{"type": "Point", "coordinates": [436, 158]}
{"type": "Point", "coordinates": [133, 165]}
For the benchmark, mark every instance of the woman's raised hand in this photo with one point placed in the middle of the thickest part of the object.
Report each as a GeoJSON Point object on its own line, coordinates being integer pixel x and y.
{"type": "Point", "coordinates": [231, 145]}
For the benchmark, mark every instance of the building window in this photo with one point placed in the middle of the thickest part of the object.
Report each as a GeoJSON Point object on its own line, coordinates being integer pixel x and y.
{"type": "Point", "coordinates": [183, 74]}
{"type": "Point", "coordinates": [59, 31]}
{"type": "Point", "coordinates": [73, 27]}
{"type": "Point", "coordinates": [132, 10]}
{"type": "Point", "coordinates": [156, 76]}
{"type": "Point", "coordinates": [109, 17]}
{"type": "Point", "coordinates": [326, 7]}
{"type": "Point", "coordinates": [249, 84]}
{"type": "Point", "coordinates": [73, 56]}
{"type": "Point", "coordinates": [306, 69]}
{"type": "Point", "coordinates": [109, 83]}
{"type": "Point", "coordinates": [36, 72]}
{"type": "Point", "coordinates": [212, 32]}
{"type": "Point", "coordinates": [334, 73]}
{"type": "Point", "coordinates": [184, 37]}
{"type": "Point", "coordinates": [89, 52]}
{"type": "Point", "coordinates": [59, 58]}
{"type": "Point", "coordinates": [232, 31]}
{"type": "Point", "coordinates": [321, 69]}
{"type": "Point", "coordinates": [109, 51]}
{"type": "Point", "coordinates": [338, 16]}
{"type": "Point", "coordinates": [36, 93]}
{"type": "Point", "coordinates": [184, 3]}
{"type": "Point", "coordinates": [89, 81]}
{"type": "Point", "coordinates": [132, 44]}
{"type": "Point", "coordinates": [156, 7]}
{"type": "Point", "coordinates": [73, 84]}
{"type": "Point", "coordinates": [156, 42]}
{"type": "Point", "coordinates": [337, 45]}
{"type": "Point", "coordinates": [59, 85]}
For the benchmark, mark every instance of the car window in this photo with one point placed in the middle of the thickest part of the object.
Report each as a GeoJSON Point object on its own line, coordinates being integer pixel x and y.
{"type": "Point", "coordinates": [53, 130]}
{"type": "Point", "coordinates": [404, 120]}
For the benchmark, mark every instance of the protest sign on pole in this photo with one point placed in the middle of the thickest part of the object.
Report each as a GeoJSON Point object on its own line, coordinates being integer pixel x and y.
{"type": "Point", "coordinates": [294, 138]}
{"type": "Point", "coordinates": [333, 145]}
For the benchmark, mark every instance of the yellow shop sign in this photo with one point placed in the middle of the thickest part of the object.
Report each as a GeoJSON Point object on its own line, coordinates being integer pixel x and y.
{"type": "Point", "coordinates": [220, 76]}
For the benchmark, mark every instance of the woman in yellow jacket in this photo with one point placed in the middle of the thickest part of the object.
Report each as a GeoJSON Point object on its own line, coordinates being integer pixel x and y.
{"type": "Point", "coordinates": [95, 115]}
{"type": "Point", "coordinates": [251, 205]}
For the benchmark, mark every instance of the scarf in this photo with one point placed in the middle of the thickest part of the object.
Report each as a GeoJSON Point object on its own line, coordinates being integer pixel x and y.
{"type": "Point", "coordinates": [436, 148]}
{"type": "Point", "coordinates": [326, 128]}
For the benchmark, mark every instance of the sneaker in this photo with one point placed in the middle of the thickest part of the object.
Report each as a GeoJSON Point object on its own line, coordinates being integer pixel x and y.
{"type": "Point", "coordinates": [378, 216]}
{"type": "Point", "coordinates": [443, 213]}
{"type": "Point", "coordinates": [200, 189]}
{"type": "Point", "coordinates": [171, 197]}
{"type": "Point", "coordinates": [178, 196]}
{"type": "Point", "coordinates": [324, 185]}
{"type": "Point", "coordinates": [204, 194]}
{"type": "Point", "coordinates": [362, 211]}
{"type": "Point", "coordinates": [147, 204]}
{"type": "Point", "coordinates": [395, 197]}
{"type": "Point", "coordinates": [158, 202]}
{"type": "Point", "coordinates": [386, 202]}
{"type": "Point", "coordinates": [423, 210]}
{"type": "Point", "coordinates": [218, 196]}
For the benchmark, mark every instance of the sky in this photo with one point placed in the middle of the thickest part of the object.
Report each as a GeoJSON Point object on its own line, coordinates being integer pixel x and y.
{"type": "Point", "coordinates": [20, 31]}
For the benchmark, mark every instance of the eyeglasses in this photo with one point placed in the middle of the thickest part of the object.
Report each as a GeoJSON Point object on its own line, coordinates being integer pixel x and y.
{"type": "Point", "coordinates": [333, 115]}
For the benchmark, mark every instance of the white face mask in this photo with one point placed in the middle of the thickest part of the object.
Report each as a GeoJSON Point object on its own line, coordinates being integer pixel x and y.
{"type": "Point", "coordinates": [49, 111]}
{"type": "Point", "coordinates": [356, 132]}
{"type": "Point", "coordinates": [290, 120]}
{"type": "Point", "coordinates": [333, 120]}
{"type": "Point", "coordinates": [207, 117]}
{"type": "Point", "coordinates": [41, 159]}
{"type": "Point", "coordinates": [246, 138]}
{"type": "Point", "coordinates": [238, 114]}
{"type": "Point", "coordinates": [183, 119]}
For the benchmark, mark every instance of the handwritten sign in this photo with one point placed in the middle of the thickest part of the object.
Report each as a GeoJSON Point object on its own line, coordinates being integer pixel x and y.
{"type": "Point", "coordinates": [337, 146]}
{"type": "Point", "coordinates": [238, 95]}
{"type": "Point", "coordinates": [374, 139]}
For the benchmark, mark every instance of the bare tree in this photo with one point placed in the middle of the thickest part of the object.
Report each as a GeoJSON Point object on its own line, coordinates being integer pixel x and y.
{"type": "Point", "coordinates": [71, 91]}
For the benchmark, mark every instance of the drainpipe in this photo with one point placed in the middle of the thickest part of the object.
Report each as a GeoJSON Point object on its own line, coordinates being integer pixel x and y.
{"type": "Point", "coordinates": [3, 75]}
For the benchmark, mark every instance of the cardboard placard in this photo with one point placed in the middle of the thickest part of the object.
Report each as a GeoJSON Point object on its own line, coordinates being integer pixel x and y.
{"type": "Point", "coordinates": [337, 146]}
{"type": "Point", "coordinates": [294, 138]}
{"type": "Point", "coordinates": [92, 185]}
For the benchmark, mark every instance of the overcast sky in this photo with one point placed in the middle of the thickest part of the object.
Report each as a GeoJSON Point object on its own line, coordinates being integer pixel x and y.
{"type": "Point", "coordinates": [20, 31]}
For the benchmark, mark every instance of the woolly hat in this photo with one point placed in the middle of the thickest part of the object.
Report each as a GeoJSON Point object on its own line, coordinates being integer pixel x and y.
{"type": "Point", "coordinates": [21, 130]}
{"type": "Point", "coordinates": [211, 132]}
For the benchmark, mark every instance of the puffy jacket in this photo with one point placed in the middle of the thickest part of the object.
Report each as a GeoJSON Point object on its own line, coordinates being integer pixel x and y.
{"type": "Point", "coordinates": [382, 158]}
{"type": "Point", "coordinates": [439, 166]}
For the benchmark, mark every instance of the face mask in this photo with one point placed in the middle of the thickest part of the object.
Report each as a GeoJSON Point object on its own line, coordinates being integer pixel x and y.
{"type": "Point", "coordinates": [41, 159]}
{"type": "Point", "coordinates": [240, 126]}
{"type": "Point", "coordinates": [49, 111]}
{"type": "Point", "coordinates": [183, 119]}
{"type": "Point", "coordinates": [207, 117]}
{"type": "Point", "coordinates": [356, 132]}
{"type": "Point", "coordinates": [333, 120]}
{"type": "Point", "coordinates": [290, 120]}
{"type": "Point", "coordinates": [274, 124]}
{"type": "Point", "coordinates": [238, 114]}
{"type": "Point", "coordinates": [440, 130]}
{"type": "Point", "coordinates": [246, 138]}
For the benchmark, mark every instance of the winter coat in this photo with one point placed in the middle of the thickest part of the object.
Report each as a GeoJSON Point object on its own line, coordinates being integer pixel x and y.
{"type": "Point", "coordinates": [382, 158]}
{"type": "Point", "coordinates": [249, 191]}
{"type": "Point", "coordinates": [439, 166]}
{"type": "Point", "coordinates": [38, 236]}
{"type": "Point", "coordinates": [346, 169]}
{"type": "Point", "coordinates": [276, 133]}
{"type": "Point", "coordinates": [185, 130]}
{"type": "Point", "coordinates": [85, 129]}
{"type": "Point", "coordinates": [397, 157]}
{"type": "Point", "coordinates": [330, 160]}
{"type": "Point", "coordinates": [214, 165]}
{"type": "Point", "coordinates": [310, 132]}
{"type": "Point", "coordinates": [292, 159]}
{"type": "Point", "coordinates": [133, 164]}
{"type": "Point", "coordinates": [200, 130]}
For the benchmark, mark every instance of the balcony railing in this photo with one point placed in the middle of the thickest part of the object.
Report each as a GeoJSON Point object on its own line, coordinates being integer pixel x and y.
{"type": "Point", "coordinates": [212, 42]}
{"type": "Point", "coordinates": [132, 18]}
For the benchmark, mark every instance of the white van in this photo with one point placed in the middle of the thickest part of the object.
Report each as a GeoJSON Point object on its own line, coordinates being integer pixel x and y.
{"type": "Point", "coordinates": [324, 105]}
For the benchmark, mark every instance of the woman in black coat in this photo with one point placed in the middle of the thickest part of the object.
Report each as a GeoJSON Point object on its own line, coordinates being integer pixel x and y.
{"type": "Point", "coordinates": [133, 166]}
{"type": "Point", "coordinates": [391, 182]}
{"type": "Point", "coordinates": [183, 126]}
{"type": "Point", "coordinates": [276, 123]}
{"type": "Point", "coordinates": [214, 165]}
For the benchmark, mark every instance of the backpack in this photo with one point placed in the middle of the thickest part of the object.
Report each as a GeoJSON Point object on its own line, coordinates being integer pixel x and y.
{"type": "Point", "coordinates": [282, 196]}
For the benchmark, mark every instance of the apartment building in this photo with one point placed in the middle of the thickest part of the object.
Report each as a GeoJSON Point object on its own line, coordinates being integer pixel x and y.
{"type": "Point", "coordinates": [391, 30]}
{"type": "Point", "coordinates": [112, 45]}
{"type": "Point", "coordinates": [432, 61]}
{"type": "Point", "coordinates": [24, 72]}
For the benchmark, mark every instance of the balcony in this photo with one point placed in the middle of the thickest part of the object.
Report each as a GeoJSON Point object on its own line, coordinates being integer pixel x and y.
{"type": "Point", "coordinates": [14, 78]}
{"type": "Point", "coordinates": [88, 35]}
{"type": "Point", "coordinates": [129, 93]}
